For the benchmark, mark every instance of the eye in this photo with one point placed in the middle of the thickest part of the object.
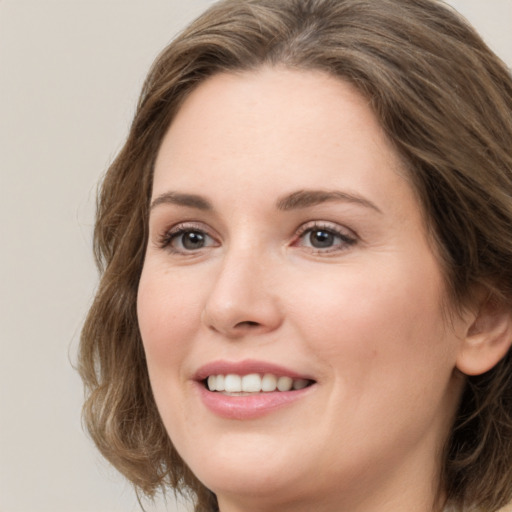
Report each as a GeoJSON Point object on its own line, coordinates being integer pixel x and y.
{"type": "Point", "coordinates": [184, 239]}
{"type": "Point", "coordinates": [321, 238]}
{"type": "Point", "coordinates": [190, 240]}
{"type": "Point", "coordinates": [325, 238]}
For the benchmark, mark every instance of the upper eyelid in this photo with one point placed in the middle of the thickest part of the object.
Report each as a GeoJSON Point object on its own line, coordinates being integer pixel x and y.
{"type": "Point", "coordinates": [202, 226]}
{"type": "Point", "coordinates": [181, 225]}
{"type": "Point", "coordinates": [328, 226]}
{"type": "Point", "coordinates": [189, 225]}
{"type": "Point", "coordinates": [164, 235]}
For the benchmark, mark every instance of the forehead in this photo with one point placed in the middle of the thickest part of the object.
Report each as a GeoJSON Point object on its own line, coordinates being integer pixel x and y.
{"type": "Point", "coordinates": [275, 129]}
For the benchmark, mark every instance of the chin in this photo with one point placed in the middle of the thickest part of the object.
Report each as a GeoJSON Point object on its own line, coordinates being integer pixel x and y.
{"type": "Point", "coordinates": [251, 465]}
{"type": "Point", "coordinates": [262, 487]}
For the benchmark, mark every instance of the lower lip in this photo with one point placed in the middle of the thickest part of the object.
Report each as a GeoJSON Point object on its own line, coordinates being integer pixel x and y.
{"type": "Point", "coordinates": [249, 406]}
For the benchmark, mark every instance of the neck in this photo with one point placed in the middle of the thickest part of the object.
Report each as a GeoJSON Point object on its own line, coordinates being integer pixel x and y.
{"type": "Point", "coordinates": [404, 499]}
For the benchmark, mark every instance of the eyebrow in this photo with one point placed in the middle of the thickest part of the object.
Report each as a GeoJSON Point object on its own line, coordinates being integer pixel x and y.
{"type": "Point", "coordinates": [189, 200]}
{"type": "Point", "coordinates": [308, 198]}
{"type": "Point", "coordinates": [294, 201]}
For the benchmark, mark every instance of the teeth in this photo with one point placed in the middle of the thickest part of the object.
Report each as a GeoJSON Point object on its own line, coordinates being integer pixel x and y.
{"type": "Point", "coordinates": [284, 383]}
{"type": "Point", "coordinates": [251, 383]}
{"type": "Point", "coordinates": [300, 383]}
{"type": "Point", "coordinates": [268, 382]}
{"type": "Point", "coordinates": [212, 383]}
{"type": "Point", "coordinates": [254, 383]}
{"type": "Point", "coordinates": [232, 383]}
{"type": "Point", "coordinates": [219, 384]}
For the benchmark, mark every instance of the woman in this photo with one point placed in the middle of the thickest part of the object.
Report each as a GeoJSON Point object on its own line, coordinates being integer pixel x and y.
{"type": "Point", "coordinates": [305, 247]}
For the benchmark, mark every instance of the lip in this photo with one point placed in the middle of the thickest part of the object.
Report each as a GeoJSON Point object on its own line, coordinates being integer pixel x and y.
{"type": "Point", "coordinates": [246, 367]}
{"type": "Point", "coordinates": [248, 406]}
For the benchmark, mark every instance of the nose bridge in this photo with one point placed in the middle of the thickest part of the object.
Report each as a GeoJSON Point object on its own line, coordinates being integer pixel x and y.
{"type": "Point", "coordinates": [242, 297]}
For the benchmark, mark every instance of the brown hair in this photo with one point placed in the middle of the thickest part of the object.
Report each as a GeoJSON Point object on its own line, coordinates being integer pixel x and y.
{"type": "Point", "coordinates": [445, 101]}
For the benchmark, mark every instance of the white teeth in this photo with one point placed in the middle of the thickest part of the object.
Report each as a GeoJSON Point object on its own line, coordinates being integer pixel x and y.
{"type": "Point", "coordinates": [219, 384]}
{"type": "Point", "coordinates": [268, 383]}
{"type": "Point", "coordinates": [233, 383]}
{"type": "Point", "coordinates": [284, 383]}
{"type": "Point", "coordinates": [212, 383]}
{"type": "Point", "coordinates": [251, 383]}
{"type": "Point", "coordinates": [254, 383]}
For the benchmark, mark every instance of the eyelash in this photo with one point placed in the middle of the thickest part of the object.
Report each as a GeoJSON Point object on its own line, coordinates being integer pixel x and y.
{"type": "Point", "coordinates": [168, 237]}
{"type": "Point", "coordinates": [345, 240]}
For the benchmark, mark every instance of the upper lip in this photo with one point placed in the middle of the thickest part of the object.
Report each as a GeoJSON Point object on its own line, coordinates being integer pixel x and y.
{"type": "Point", "coordinates": [246, 367]}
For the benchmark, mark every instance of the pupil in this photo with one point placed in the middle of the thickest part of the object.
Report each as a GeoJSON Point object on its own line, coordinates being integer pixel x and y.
{"type": "Point", "coordinates": [193, 240]}
{"type": "Point", "coordinates": [321, 239]}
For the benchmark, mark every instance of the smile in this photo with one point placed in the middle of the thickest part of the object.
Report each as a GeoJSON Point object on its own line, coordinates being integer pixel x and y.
{"type": "Point", "coordinates": [239, 385]}
{"type": "Point", "coordinates": [250, 389]}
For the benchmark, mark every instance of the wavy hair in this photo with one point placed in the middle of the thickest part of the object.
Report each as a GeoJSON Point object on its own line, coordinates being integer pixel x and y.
{"type": "Point", "coordinates": [444, 100]}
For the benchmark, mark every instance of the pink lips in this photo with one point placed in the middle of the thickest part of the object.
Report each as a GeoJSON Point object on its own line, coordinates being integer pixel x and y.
{"type": "Point", "coordinates": [248, 406]}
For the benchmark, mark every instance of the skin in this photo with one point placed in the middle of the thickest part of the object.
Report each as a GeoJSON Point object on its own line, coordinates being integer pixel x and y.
{"type": "Point", "coordinates": [364, 317]}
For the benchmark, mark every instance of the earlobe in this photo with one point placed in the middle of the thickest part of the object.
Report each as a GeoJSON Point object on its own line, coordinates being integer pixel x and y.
{"type": "Point", "coordinates": [488, 338]}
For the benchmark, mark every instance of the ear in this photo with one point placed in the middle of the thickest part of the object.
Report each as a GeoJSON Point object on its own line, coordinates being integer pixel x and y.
{"type": "Point", "coordinates": [488, 338]}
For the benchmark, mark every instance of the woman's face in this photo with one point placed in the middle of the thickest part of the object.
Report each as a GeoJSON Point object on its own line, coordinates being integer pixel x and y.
{"type": "Point", "coordinates": [287, 249]}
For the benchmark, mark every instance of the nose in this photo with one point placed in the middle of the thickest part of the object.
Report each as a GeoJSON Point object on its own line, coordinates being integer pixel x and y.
{"type": "Point", "coordinates": [243, 299]}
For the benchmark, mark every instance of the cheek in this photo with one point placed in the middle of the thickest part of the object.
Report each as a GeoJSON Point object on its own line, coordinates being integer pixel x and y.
{"type": "Point", "coordinates": [374, 322]}
{"type": "Point", "coordinates": [388, 357]}
{"type": "Point", "coordinates": [168, 316]}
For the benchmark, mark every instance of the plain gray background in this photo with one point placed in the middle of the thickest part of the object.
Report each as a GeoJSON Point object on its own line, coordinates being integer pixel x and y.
{"type": "Point", "coordinates": [70, 73]}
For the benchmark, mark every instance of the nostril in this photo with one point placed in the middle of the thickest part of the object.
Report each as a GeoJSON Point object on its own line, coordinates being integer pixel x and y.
{"type": "Point", "coordinates": [247, 323]}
